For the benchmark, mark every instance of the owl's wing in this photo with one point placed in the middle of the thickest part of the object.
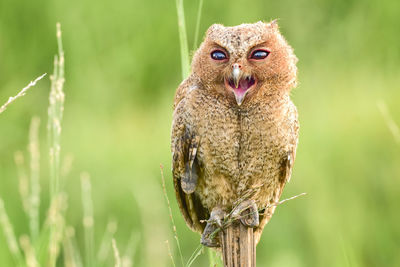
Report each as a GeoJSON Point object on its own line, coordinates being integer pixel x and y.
{"type": "Point", "coordinates": [186, 169]}
{"type": "Point", "coordinates": [286, 166]}
{"type": "Point", "coordinates": [189, 84]}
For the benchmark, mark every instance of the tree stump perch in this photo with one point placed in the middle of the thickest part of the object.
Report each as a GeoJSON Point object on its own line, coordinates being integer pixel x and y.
{"type": "Point", "coordinates": [238, 246]}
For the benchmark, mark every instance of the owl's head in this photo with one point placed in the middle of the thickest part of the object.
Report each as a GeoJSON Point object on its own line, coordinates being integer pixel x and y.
{"type": "Point", "coordinates": [245, 60]}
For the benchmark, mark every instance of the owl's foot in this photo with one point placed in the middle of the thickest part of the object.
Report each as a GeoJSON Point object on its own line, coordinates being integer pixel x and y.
{"type": "Point", "coordinates": [247, 212]}
{"type": "Point", "coordinates": [209, 238]}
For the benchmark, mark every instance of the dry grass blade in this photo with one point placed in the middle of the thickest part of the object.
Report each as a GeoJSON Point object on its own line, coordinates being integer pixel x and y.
{"type": "Point", "coordinates": [287, 199]}
{"type": "Point", "coordinates": [71, 255]}
{"type": "Point", "coordinates": [170, 253]}
{"type": "Point", "coordinates": [275, 204]}
{"type": "Point", "coordinates": [116, 254]}
{"type": "Point", "coordinates": [393, 127]}
{"type": "Point", "coordinates": [9, 234]}
{"type": "Point", "coordinates": [170, 215]}
{"type": "Point", "coordinates": [30, 257]}
{"type": "Point", "coordinates": [56, 221]}
{"type": "Point", "coordinates": [21, 93]}
{"type": "Point", "coordinates": [229, 219]}
{"type": "Point", "coordinates": [105, 244]}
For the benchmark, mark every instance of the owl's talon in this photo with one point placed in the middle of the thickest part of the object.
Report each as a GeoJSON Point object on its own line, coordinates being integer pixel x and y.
{"type": "Point", "coordinates": [247, 212]}
{"type": "Point", "coordinates": [209, 238]}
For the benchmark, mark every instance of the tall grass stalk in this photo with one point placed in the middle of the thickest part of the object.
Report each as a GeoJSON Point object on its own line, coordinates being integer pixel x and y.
{"type": "Point", "coordinates": [129, 256]}
{"type": "Point", "coordinates": [21, 93]}
{"type": "Point", "coordinates": [171, 217]}
{"type": "Point", "coordinates": [196, 32]}
{"type": "Point", "coordinates": [34, 197]}
{"type": "Point", "coordinates": [116, 254]}
{"type": "Point", "coordinates": [40, 246]}
{"type": "Point", "coordinates": [23, 182]}
{"type": "Point", "coordinates": [88, 222]}
{"type": "Point", "coordinates": [55, 112]}
{"type": "Point", "coordinates": [30, 189]}
{"type": "Point", "coordinates": [56, 223]}
{"type": "Point", "coordinates": [183, 39]}
{"type": "Point", "coordinates": [43, 245]}
{"type": "Point", "coordinates": [105, 244]}
{"type": "Point", "coordinates": [170, 253]}
{"type": "Point", "coordinates": [30, 256]}
{"type": "Point", "coordinates": [71, 253]}
{"type": "Point", "coordinates": [9, 234]}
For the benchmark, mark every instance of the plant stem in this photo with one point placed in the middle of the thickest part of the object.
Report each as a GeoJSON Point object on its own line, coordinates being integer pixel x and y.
{"type": "Point", "coordinates": [196, 33]}
{"type": "Point", "coordinates": [183, 39]}
{"type": "Point", "coordinates": [88, 221]}
{"type": "Point", "coordinates": [34, 198]}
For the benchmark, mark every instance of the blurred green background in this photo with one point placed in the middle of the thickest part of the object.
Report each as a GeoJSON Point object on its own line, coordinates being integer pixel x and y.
{"type": "Point", "coordinates": [122, 68]}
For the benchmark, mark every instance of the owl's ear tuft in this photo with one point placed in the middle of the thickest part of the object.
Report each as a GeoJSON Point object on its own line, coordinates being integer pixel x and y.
{"type": "Point", "coordinates": [273, 24]}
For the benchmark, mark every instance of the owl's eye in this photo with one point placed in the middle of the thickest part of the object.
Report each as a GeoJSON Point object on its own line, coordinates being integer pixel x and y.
{"type": "Point", "coordinates": [259, 54]}
{"type": "Point", "coordinates": [218, 55]}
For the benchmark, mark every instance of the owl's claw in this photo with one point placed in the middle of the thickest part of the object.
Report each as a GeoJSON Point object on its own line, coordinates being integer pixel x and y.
{"type": "Point", "coordinates": [209, 238]}
{"type": "Point", "coordinates": [247, 212]}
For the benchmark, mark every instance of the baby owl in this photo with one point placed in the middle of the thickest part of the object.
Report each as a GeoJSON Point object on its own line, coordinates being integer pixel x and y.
{"type": "Point", "coordinates": [235, 129]}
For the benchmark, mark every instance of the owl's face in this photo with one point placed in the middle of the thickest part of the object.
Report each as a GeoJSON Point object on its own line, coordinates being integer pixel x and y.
{"type": "Point", "coordinates": [243, 60]}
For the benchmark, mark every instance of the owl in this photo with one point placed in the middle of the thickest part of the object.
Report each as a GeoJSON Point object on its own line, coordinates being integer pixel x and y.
{"type": "Point", "coordinates": [235, 129]}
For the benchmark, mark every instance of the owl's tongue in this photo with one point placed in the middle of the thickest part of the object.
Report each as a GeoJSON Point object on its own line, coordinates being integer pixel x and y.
{"type": "Point", "coordinates": [243, 85]}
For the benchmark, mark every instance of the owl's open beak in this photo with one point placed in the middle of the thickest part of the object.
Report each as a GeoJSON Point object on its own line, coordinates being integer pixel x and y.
{"type": "Point", "coordinates": [239, 83]}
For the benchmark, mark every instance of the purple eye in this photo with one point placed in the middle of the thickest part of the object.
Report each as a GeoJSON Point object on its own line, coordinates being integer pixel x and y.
{"type": "Point", "coordinates": [218, 55]}
{"type": "Point", "coordinates": [259, 54]}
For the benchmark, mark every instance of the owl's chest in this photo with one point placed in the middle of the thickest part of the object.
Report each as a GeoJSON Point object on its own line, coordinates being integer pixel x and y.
{"type": "Point", "coordinates": [238, 144]}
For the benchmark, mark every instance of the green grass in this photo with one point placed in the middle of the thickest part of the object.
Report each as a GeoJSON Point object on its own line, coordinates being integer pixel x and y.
{"type": "Point", "coordinates": [122, 67]}
{"type": "Point", "coordinates": [44, 244]}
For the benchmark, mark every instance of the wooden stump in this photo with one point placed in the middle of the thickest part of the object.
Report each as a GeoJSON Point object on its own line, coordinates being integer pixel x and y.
{"type": "Point", "coordinates": [238, 246]}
